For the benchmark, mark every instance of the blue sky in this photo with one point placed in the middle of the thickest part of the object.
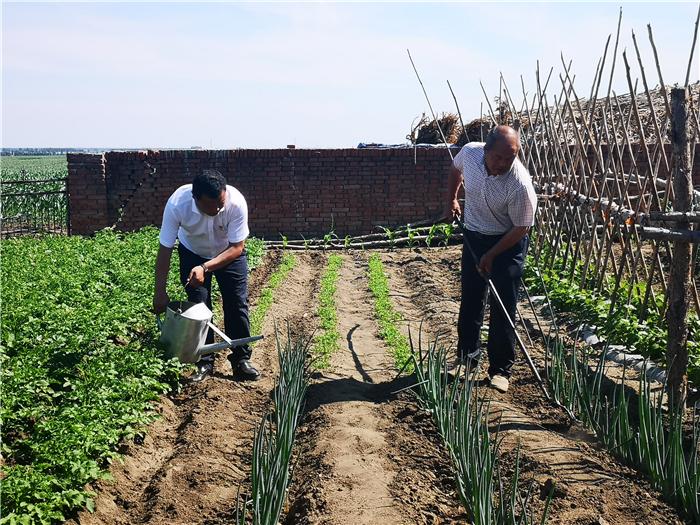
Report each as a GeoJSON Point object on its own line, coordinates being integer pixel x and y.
{"type": "Point", "coordinates": [312, 74]}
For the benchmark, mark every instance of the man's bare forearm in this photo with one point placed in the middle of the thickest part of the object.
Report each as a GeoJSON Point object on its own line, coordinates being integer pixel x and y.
{"type": "Point", "coordinates": [509, 240]}
{"type": "Point", "coordinates": [454, 181]}
{"type": "Point", "coordinates": [226, 257]}
{"type": "Point", "coordinates": [162, 267]}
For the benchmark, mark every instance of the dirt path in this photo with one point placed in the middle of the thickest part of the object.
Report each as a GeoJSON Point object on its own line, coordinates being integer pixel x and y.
{"type": "Point", "coordinates": [192, 460]}
{"type": "Point", "coordinates": [592, 487]}
{"type": "Point", "coordinates": [362, 458]}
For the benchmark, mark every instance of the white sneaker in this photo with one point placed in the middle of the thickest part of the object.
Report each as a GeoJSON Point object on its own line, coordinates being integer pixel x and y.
{"type": "Point", "coordinates": [500, 383]}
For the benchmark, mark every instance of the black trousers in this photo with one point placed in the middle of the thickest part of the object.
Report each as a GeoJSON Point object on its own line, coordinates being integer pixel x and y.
{"type": "Point", "coordinates": [506, 273]}
{"type": "Point", "coordinates": [233, 283]}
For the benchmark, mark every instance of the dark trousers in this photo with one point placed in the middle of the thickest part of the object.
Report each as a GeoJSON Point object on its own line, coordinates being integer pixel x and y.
{"type": "Point", "coordinates": [505, 274]}
{"type": "Point", "coordinates": [233, 283]}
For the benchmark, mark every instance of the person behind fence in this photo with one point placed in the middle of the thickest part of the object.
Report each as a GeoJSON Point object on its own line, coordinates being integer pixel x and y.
{"type": "Point", "coordinates": [210, 221]}
{"type": "Point", "coordinates": [499, 209]}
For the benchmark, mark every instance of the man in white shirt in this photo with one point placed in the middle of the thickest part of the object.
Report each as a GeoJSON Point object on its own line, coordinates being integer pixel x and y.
{"type": "Point", "coordinates": [210, 219]}
{"type": "Point", "coordinates": [499, 209]}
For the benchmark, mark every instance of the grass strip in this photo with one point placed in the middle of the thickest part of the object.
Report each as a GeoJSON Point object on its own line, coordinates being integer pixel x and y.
{"type": "Point", "coordinates": [266, 298]}
{"type": "Point", "coordinates": [387, 317]}
{"type": "Point", "coordinates": [326, 343]}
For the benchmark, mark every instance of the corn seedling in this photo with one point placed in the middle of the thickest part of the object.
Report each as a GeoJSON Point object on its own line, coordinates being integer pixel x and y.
{"type": "Point", "coordinates": [390, 235]}
{"type": "Point", "coordinates": [447, 231]}
{"type": "Point", "coordinates": [431, 234]}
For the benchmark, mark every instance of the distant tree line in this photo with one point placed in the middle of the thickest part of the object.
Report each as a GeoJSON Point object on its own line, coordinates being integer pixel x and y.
{"type": "Point", "coordinates": [47, 151]}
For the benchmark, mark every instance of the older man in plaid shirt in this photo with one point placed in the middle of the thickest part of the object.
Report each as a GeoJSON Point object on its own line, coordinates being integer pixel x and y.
{"type": "Point", "coordinates": [499, 209]}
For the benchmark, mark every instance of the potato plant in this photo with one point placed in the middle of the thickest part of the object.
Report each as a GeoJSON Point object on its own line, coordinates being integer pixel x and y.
{"type": "Point", "coordinates": [81, 364]}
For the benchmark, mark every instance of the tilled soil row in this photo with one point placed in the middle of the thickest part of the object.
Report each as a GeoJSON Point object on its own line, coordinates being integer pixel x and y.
{"type": "Point", "coordinates": [193, 459]}
{"type": "Point", "coordinates": [591, 486]}
{"type": "Point", "coordinates": [365, 455]}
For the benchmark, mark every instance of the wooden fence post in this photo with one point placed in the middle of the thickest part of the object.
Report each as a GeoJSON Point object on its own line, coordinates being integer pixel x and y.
{"type": "Point", "coordinates": [679, 282]}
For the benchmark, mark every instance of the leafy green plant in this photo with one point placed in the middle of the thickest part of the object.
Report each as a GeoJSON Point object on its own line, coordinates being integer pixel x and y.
{"type": "Point", "coordinates": [387, 317]}
{"type": "Point", "coordinates": [80, 364]}
{"type": "Point", "coordinates": [326, 343]}
{"type": "Point", "coordinates": [623, 324]}
{"type": "Point", "coordinates": [390, 235]}
{"type": "Point", "coordinates": [255, 252]}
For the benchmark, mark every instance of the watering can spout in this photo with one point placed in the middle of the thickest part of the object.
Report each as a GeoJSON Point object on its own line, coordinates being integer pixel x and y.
{"type": "Point", "coordinates": [185, 329]}
{"type": "Point", "coordinates": [231, 343]}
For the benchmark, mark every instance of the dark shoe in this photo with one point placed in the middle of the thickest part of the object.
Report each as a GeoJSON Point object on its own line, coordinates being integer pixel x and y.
{"type": "Point", "coordinates": [203, 371]}
{"type": "Point", "coordinates": [245, 370]}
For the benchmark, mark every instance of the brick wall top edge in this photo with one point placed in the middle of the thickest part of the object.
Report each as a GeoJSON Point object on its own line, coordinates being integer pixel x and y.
{"type": "Point", "coordinates": [84, 157]}
{"type": "Point", "coordinates": [278, 152]}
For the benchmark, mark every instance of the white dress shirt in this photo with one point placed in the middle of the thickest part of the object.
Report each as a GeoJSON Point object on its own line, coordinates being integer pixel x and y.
{"type": "Point", "coordinates": [203, 234]}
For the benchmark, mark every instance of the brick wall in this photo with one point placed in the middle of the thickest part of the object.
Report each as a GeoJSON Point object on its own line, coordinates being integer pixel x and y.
{"type": "Point", "coordinates": [86, 189]}
{"type": "Point", "coordinates": [289, 191]}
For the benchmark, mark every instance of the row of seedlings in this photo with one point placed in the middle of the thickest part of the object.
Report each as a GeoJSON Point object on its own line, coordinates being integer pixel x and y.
{"type": "Point", "coordinates": [274, 437]}
{"type": "Point", "coordinates": [267, 295]}
{"type": "Point", "coordinates": [438, 234]}
{"type": "Point", "coordinates": [628, 324]}
{"type": "Point", "coordinates": [387, 317]}
{"type": "Point", "coordinates": [326, 343]}
{"type": "Point", "coordinates": [461, 417]}
{"type": "Point", "coordinates": [651, 438]}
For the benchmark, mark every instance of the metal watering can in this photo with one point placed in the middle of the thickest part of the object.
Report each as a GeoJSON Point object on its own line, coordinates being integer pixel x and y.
{"type": "Point", "coordinates": [184, 332]}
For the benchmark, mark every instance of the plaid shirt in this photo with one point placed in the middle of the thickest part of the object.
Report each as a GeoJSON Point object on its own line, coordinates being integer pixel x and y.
{"type": "Point", "coordinates": [494, 205]}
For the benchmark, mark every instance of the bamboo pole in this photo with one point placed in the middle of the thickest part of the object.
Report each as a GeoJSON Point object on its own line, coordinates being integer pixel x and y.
{"type": "Point", "coordinates": [679, 285]}
{"type": "Point", "coordinates": [692, 48]}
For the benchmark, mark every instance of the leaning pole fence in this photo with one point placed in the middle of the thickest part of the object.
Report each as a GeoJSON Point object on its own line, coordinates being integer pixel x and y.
{"type": "Point", "coordinates": [618, 215]}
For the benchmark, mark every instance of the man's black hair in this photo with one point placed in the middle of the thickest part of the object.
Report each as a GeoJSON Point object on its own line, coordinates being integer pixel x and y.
{"type": "Point", "coordinates": [210, 183]}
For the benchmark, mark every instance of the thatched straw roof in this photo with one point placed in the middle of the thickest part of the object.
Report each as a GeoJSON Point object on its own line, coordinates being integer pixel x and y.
{"type": "Point", "coordinates": [603, 117]}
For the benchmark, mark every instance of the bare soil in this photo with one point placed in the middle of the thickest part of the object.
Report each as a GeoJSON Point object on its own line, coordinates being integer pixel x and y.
{"type": "Point", "coordinates": [591, 485]}
{"type": "Point", "coordinates": [364, 454]}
